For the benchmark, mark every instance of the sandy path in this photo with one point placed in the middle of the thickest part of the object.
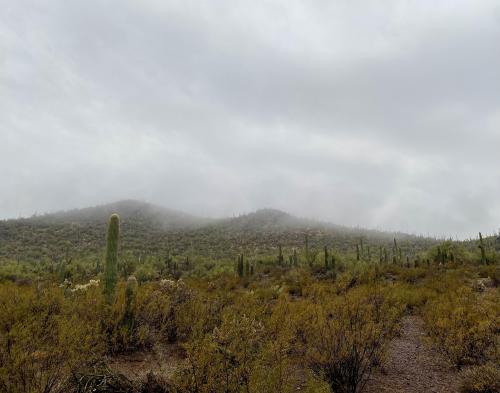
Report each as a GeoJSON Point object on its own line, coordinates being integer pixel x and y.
{"type": "Point", "coordinates": [413, 366]}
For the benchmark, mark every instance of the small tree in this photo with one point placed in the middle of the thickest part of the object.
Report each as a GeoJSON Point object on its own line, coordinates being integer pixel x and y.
{"type": "Point", "coordinates": [111, 261]}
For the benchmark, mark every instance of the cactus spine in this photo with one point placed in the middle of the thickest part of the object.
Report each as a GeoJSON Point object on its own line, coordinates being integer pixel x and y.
{"type": "Point", "coordinates": [111, 261]}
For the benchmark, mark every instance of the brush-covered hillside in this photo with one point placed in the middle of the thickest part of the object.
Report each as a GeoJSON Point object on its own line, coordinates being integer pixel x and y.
{"type": "Point", "coordinates": [153, 230]}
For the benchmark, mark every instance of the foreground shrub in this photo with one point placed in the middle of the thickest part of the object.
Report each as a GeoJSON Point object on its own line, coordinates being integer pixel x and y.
{"type": "Point", "coordinates": [465, 326]}
{"type": "Point", "coordinates": [346, 337]}
{"type": "Point", "coordinates": [481, 379]}
{"type": "Point", "coordinates": [222, 361]}
{"type": "Point", "coordinates": [43, 340]}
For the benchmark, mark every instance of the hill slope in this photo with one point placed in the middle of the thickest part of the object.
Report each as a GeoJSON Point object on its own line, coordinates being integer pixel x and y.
{"type": "Point", "coordinates": [152, 230]}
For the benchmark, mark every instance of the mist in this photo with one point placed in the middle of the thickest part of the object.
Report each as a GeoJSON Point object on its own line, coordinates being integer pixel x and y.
{"type": "Point", "coordinates": [383, 116]}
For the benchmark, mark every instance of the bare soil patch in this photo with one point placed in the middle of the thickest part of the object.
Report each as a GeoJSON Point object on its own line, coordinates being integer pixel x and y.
{"type": "Point", "coordinates": [162, 360]}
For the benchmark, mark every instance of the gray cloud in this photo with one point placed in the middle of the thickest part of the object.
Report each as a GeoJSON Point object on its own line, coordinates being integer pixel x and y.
{"type": "Point", "coordinates": [384, 115]}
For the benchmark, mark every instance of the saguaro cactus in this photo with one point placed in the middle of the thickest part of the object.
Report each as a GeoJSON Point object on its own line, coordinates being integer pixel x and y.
{"type": "Point", "coordinates": [240, 267]}
{"type": "Point", "coordinates": [280, 256]}
{"type": "Point", "coordinates": [247, 268]}
{"type": "Point", "coordinates": [307, 251]}
{"type": "Point", "coordinates": [128, 315]}
{"type": "Point", "coordinates": [295, 258]}
{"type": "Point", "coordinates": [483, 250]}
{"type": "Point", "coordinates": [111, 262]}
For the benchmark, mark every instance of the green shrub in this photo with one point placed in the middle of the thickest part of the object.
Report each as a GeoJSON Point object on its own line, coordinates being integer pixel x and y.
{"type": "Point", "coordinates": [346, 336]}
{"type": "Point", "coordinates": [465, 325]}
{"type": "Point", "coordinates": [43, 340]}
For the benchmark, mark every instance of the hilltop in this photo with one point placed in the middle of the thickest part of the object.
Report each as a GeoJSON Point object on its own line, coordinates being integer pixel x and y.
{"type": "Point", "coordinates": [129, 210]}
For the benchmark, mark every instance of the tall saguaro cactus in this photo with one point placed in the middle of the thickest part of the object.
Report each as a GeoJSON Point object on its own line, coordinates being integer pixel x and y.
{"type": "Point", "coordinates": [111, 262]}
{"type": "Point", "coordinates": [483, 250]}
{"type": "Point", "coordinates": [326, 257]}
{"type": "Point", "coordinates": [307, 250]}
{"type": "Point", "coordinates": [240, 266]}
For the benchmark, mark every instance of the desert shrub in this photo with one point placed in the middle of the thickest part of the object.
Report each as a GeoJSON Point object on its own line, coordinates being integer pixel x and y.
{"type": "Point", "coordinates": [249, 350]}
{"type": "Point", "coordinates": [296, 280]}
{"type": "Point", "coordinates": [413, 275]}
{"type": "Point", "coordinates": [412, 297]}
{"type": "Point", "coordinates": [465, 325]}
{"type": "Point", "coordinates": [42, 342]}
{"type": "Point", "coordinates": [271, 371]}
{"type": "Point", "coordinates": [146, 272]}
{"type": "Point", "coordinates": [481, 379]}
{"type": "Point", "coordinates": [221, 361]}
{"type": "Point", "coordinates": [345, 337]}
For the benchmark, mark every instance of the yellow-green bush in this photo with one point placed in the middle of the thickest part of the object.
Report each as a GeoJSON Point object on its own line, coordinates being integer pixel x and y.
{"type": "Point", "coordinates": [345, 336]}
{"type": "Point", "coordinates": [481, 379]}
{"type": "Point", "coordinates": [42, 340]}
{"type": "Point", "coordinates": [465, 325]}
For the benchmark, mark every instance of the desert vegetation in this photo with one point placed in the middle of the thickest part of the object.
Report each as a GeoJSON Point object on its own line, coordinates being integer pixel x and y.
{"type": "Point", "coordinates": [224, 307]}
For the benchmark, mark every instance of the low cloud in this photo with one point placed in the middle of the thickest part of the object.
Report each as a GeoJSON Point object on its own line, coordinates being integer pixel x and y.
{"type": "Point", "coordinates": [384, 116]}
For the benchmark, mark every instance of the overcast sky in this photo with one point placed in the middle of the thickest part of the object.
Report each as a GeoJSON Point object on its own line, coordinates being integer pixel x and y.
{"type": "Point", "coordinates": [383, 114]}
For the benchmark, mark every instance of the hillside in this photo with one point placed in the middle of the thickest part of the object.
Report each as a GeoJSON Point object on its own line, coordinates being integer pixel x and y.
{"type": "Point", "coordinates": [153, 230]}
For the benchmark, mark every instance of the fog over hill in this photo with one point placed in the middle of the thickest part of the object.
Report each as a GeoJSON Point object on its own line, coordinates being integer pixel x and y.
{"type": "Point", "coordinates": [129, 210]}
{"type": "Point", "coordinates": [143, 214]}
{"type": "Point", "coordinates": [382, 115]}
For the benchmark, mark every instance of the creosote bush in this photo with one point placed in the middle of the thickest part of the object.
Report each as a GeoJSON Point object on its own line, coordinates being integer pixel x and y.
{"type": "Point", "coordinates": [465, 325]}
{"type": "Point", "coordinates": [481, 379]}
{"type": "Point", "coordinates": [44, 339]}
{"type": "Point", "coordinates": [345, 337]}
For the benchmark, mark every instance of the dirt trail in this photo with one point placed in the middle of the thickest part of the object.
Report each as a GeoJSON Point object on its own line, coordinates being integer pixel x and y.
{"type": "Point", "coordinates": [412, 366]}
